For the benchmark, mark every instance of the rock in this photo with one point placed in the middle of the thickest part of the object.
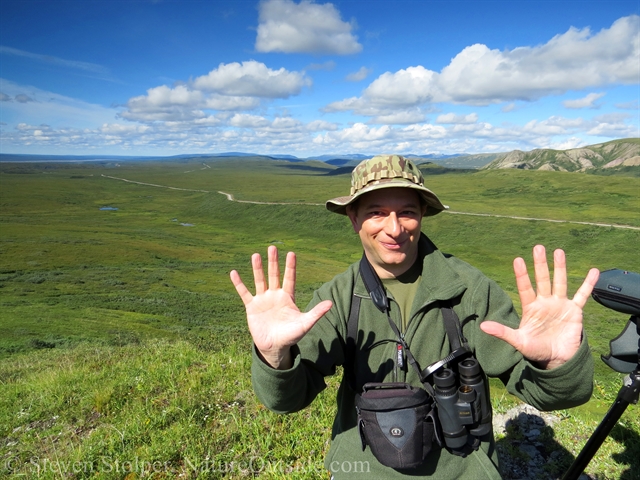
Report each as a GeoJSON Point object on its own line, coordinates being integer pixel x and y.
{"type": "Point", "coordinates": [525, 452]}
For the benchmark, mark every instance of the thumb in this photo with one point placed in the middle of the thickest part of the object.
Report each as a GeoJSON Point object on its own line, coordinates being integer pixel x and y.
{"type": "Point", "coordinates": [501, 331]}
{"type": "Point", "coordinates": [310, 318]}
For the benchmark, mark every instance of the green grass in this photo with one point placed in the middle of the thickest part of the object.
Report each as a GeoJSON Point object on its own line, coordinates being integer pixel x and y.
{"type": "Point", "coordinates": [123, 347]}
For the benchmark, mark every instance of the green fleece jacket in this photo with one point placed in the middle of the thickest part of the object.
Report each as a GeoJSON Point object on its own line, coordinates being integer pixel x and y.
{"type": "Point", "coordinates": [474, 298]}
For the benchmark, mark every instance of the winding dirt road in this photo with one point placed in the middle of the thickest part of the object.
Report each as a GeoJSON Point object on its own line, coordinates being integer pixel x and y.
{"type": "Point", "coordinates": [231, 198]}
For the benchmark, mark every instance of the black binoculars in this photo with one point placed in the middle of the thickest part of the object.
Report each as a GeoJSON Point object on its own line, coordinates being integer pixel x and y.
{"type": "Point", "coordinates": [463, 407]}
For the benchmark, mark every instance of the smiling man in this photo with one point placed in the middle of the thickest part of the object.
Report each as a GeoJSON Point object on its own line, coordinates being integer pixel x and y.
{"type": "Point", "coordinates": [389, 316]}
{"type": "Point", "coordinates": [388, 222]}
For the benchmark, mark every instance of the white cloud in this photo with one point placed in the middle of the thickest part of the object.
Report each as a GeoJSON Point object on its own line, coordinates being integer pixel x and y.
{"type": "Point", "coordinates": [305, 27]}
{"type": "Point", "coordinates": [230, 87]}
{"type": "Point", "coordinates": [228, 103]}
{"type": "Point", "coordinates": [452, 118]}
{"type": "Point", "coordinates": [165, 104]}
{"type": "Point", "coordinates": [321, 125]}
{"type": "Point", "coordinates": [478, 75]}
{"type": "Point", "coordinates": [358, 76]}
{"type": "Point", "coordinates": [402, 117]}
{"type": "Point", "coordinates": [405, 88]}
{"type": "Point", "coordinates": [572, 142]}
{"type": "Point", "coordinates": [252, 132]}
{"type": "Point", "coordinates": [584, 102]}
{"type": "Point", "coordinates": [251, 79]}
{"type": "Point", "coordinates": [242, 120]}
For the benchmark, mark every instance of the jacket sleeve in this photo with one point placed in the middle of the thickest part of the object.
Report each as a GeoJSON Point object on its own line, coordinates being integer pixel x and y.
{"type": "Point", "coordinates": [563, 387]}
{"type": "Point", "coordinates": [316, 356]}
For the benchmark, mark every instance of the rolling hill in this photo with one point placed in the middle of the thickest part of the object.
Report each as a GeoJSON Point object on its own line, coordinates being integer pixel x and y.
{"type": "Point", "coordinates": [614, 155]}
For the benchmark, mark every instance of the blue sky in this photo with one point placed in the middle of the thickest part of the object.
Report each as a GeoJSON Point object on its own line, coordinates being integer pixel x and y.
{"type": "Point", "coordinates": [305, 78]}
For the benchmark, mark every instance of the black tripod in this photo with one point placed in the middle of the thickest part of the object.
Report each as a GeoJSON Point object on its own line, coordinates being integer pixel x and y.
{"type": "Point", "coordinates": [621, 360]}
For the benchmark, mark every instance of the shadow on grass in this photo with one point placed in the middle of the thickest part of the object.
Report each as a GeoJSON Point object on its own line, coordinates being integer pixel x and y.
{"type": "Point", "coordinates": [529, 451]}
{"type": "Point", "coordinates": [631, 454]}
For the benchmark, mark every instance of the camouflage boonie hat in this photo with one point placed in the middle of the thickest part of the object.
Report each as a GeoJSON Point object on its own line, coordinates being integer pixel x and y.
{"type": "Point", "coordinates": [386, 171]}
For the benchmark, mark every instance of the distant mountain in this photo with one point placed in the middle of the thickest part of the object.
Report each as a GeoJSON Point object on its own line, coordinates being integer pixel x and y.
{"type": "Point", "coordinates": [614, 155]}
{"type": "Point", "coordinates": [617, 156]}
{"type": "Point", "coordinates": [347, 160]}
{"type": "Point", "coordinates": [292, 158]}
{"type": "Point", "coordinates": [19, 157]}
{"type": "Point", "coordinates": [477, 160]}
{"type": "Point", "coordinates": [351, 160]}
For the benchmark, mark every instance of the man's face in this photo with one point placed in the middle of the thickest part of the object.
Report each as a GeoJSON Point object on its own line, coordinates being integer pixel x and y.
{"type": "Point", "coordinates": [388, 222]}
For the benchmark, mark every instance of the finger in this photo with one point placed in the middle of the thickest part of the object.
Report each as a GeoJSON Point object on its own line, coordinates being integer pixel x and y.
{"type": "Point", "coordinates": [289, 279]}
{"type": "Point", "coordinates": [258, 273]}
{"type": "Point", "coordinates": [543, 280]}
{"type": "Point", "coordinates": [523, 282]}
{"type": "Point", "coordinates": [502, 332]}
{"type": "Point", "coordinates": [316, 313]}
{"type": "Point", "coordinates": [559, 274]}
{"type": "Point", "coordinates": [245, 294]}
{"type": "Point", "coordinates": [582, 295]}
{"type": "Point", "coordinates": [274, 268]}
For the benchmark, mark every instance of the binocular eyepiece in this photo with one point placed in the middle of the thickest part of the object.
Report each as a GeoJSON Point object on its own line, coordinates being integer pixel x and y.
{"type": "Point", "coordinates": [463, 407]}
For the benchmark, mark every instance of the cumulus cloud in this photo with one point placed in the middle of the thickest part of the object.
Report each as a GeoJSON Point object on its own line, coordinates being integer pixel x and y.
{"type": "Point", "coordinates": [165, 104]}
{"type": "Point", "coordinates": [478, 75]}
{"type": "Point", "coordinates": [321, 125]}
{"type": "Point", "coordinates": [230, 87]}
{"type": "Point", "coordinates": [4, 97]}
{"type": "Point", "coordinates": [243, 120]}
{"type": "Point", "coordinates": [360, 75]}
{"type": "Point", "coordinates": [403, 117]}
{"type": "Point", "coordinates": [252, 132]}
{"type": "Point", "coordinates": [251, 79]}
{"type": "Point", "coordinates": [305, 27]}
{"type": "Point", "coordinates": [452, 118]}
{"type": "Point", "coordinates": [584, 102]}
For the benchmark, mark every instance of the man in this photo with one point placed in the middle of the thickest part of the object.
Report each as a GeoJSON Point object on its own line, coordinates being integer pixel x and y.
{"type": "Point", "coordinates": [543, 358]}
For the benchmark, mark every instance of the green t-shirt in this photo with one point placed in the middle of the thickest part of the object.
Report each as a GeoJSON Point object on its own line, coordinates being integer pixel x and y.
{"type": "Point", "coordinates": [403, 289]}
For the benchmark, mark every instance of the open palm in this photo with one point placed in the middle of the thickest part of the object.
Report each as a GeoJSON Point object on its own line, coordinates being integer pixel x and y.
{"type": "Point", "coordinates": [274, 320]}
{"type": "Point", "coordinates": [550, 330]}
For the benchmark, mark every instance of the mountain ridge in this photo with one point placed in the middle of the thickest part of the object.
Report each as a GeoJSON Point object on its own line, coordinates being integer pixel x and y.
{"type": "Point", "coordinates": [608, 157]}
{"type": "Point", "coordinates": [615, 154]}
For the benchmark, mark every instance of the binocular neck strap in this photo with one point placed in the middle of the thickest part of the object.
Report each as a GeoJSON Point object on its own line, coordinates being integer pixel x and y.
{"type": "Point", "coordinates": [381, 301]}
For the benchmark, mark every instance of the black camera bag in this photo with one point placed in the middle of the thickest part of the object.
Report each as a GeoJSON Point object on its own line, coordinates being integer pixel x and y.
{"type": "Point", "coordinates": [397, 421]}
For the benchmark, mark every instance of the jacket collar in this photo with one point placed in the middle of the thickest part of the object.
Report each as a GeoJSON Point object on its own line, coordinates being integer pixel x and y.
{"type": "Point", "coordinates": [439, 281]}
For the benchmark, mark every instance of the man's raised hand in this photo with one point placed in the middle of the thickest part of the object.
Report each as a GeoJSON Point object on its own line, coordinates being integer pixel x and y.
{"type": "Point", "coordinates": [550, 330]}
{"type": "Point", "coordinates": [275, 322]}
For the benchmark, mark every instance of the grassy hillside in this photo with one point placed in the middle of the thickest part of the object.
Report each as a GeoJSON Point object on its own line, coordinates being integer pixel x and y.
{"type": "Point", "coordinates": [618, 156]}
{"type": "Point", "coordinates": [123, 347]}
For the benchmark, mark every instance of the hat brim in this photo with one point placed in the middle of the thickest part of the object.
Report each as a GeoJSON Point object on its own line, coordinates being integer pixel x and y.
{"type": "Point", "coordinates": [434, 205]}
